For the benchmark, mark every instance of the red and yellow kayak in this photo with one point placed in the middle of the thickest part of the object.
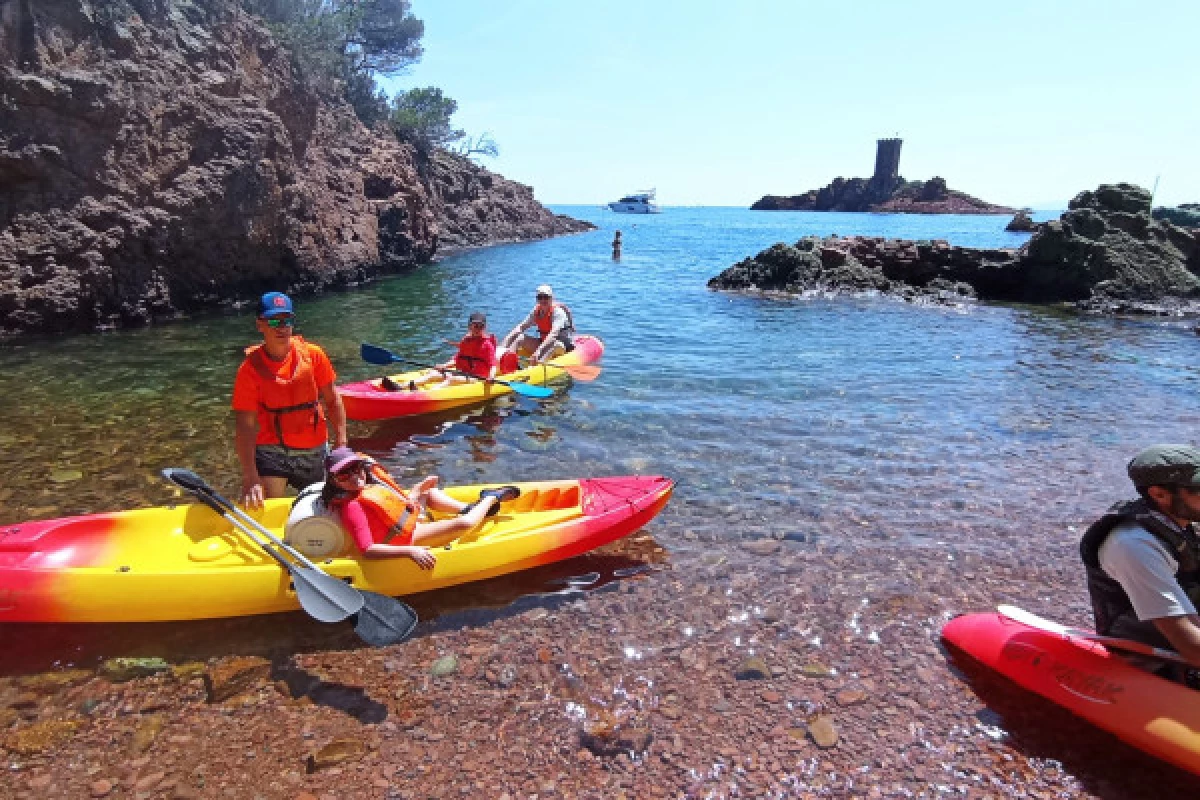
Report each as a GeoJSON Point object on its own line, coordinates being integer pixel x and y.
{"type": "Point", "coordinates": [1153, 714]}
{"type": "Point", "coordinates": [187, 562]}
{"type": "Point", "coordinates": [369, 400]}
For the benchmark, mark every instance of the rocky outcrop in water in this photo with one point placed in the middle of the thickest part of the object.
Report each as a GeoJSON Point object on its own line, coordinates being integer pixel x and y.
{"type": "Point", "coordinates": [1186, 215]}
{"type": "Point", "coordinates": [163, 156]}
{"type": "Point", "coordinates": [884, 196]}
{"type": "Point", "coordinates": [1021, 223]}
{"type": "Point", "coordinates": [1105, 254]}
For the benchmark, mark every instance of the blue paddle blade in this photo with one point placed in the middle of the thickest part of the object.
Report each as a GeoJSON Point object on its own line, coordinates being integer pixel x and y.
{"type": "Point", "coordinates": [377, 355]}
{"type": "Point", "coordinates": [528, 389]}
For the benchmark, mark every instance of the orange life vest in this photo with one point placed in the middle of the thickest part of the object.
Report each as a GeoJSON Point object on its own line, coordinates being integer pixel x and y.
{"type": "Point", "coordinates": [292, 403]}
{"type": "Point", "coordinates": [545, 319]}
{"type": "Point", "coordinates": [392, 514]}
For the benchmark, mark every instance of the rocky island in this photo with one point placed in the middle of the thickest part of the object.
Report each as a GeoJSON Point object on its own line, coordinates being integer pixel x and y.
{"type": "Point", "coordinates": [884, 192]}
{"type": "Point", "coordinates": [159, 158]}
{"type": "Point", "coordinates": [1105, 254]}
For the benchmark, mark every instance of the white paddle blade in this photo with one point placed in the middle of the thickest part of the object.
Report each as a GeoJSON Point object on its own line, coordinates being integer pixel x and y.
{"type": "Point", "coordinates": [1112, 642]}
{"type": "Point", "coordinates": [325, 597]}
{"type": "Point", "coordinates": [1032, 620]}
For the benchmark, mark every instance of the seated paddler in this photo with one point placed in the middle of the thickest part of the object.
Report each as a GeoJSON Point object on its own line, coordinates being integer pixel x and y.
{"type": "Point", "coordinates": [551, 326]}
{"type": "Point", "coordinates": [475, 359]}
{"type": "Point", "coordinates": [1143, 556]}
{"type": "Point", "coordinates": [386, 521]}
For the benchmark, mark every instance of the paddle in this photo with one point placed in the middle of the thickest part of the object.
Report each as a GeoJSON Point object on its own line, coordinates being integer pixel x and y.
{"type": "Point", "coordinates": [1128, 645]}
{"type": "Point", "coordinates": [379, 620]}
{"type": "Point", "coordinates": [378, 355]}
{"type": "Point", "coordinates": [580, 372]}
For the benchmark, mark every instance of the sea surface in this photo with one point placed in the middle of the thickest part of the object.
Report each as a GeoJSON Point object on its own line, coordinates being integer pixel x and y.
{"type": "Point", "coordinates": [793, 410]}
{"type": "Point", "coordinates": [866, 427]}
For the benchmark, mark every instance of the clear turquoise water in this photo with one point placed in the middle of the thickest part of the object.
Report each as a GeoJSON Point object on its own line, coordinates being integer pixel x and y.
{"type": "Point", "coordinates": [920, 460]}
{"type": "Point", "coordinates": [785, 416]}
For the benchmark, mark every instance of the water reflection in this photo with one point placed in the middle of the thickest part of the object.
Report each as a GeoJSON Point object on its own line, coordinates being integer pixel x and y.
{"type": "Point", "coordinates": [32, 648]}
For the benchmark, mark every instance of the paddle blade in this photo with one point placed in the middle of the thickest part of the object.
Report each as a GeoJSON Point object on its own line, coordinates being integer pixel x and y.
{"type": "Point", "coordinates": [191, 482]}
{"type": "Point", "coordinates": [1111, 642]}
{"type": "Point", "coordinates": [528, 389]}
{"type": "Point", "coordinates": [384, 620]}
{"type": "Point", "coordinates": [376, 355]}
{"type": "Point", "coordinates": [324, 597]}
{"type": "Point", "coordinates": [186, 479]}
{"type": "Point", "coordinates": [583, 372]}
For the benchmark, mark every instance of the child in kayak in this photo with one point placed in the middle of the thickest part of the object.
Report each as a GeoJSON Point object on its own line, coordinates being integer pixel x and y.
{"type": "Point", "coordinates": [476, 359]}
{"type": "Point", "coordinates": [387, 521]}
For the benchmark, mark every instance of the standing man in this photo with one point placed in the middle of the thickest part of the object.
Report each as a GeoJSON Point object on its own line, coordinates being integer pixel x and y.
{"type": "Point", "coordinates": [281, 395]}
{"type": "Point", "coordinates": [1143, 556]}
{"type": "Point", "coordinates": [555, 329]}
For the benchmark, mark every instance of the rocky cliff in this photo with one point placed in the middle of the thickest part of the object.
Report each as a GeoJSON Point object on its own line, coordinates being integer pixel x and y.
{"type": "Point", "coordinates": [883, 196]}
{"type": "Point", "coordinates": [1105, 254]}
{"type": "Point", "coordinates": [163, 156]}
{"type": "Point", "coordinates": [1186, 215]}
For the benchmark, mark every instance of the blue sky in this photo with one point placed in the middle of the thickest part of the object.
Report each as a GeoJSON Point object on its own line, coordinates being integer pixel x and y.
{"type": "Point", "coordinates": [1021, 103]}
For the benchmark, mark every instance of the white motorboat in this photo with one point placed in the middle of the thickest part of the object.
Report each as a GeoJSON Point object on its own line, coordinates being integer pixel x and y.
{"type": "Point", "coordinates": [636, 203]}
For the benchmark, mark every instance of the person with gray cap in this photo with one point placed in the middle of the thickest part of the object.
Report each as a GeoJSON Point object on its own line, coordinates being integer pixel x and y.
{"type": "Point", "coordinates": [555, 329]}
{"type": "Point", "coordinates": [1143, 556]}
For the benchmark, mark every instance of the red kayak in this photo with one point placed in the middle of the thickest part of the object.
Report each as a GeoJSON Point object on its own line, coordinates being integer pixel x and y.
{"type": "Point", "coordinates": [1153, 714]}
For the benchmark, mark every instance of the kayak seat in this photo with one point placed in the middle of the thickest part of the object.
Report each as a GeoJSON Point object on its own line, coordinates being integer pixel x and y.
{"type": "Point", "coordinates": [547, 499]}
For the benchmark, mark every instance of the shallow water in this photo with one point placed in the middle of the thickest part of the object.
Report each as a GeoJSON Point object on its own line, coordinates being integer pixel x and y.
{"type": "Point", "coordinates": [793, 412]}
{"type": "Point", "coordinates": [915, 460]}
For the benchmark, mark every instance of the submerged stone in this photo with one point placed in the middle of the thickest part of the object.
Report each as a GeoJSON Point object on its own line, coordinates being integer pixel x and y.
{"type": "Point", "coordinates": [40, 736]}
{"type": "Point", "coordinates": [339, 751]}
{"type": "Point", "coordinates": [752, 669]}
{"type": "Point", "coordinates": [119, 670]}
{"type": "Point", "coordinates": [823, 731]}
{"type": "Point", "coordinates": [446, 665]}
{"type": "Point", "coordinates": [235, 676]}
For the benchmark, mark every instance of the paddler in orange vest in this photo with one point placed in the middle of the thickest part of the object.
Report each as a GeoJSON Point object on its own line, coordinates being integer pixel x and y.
{"type": "Point", "coordinates": [553, 323]}
{"type": "Point", "coordinates": [389, 522]}
{"type": "Point", "coordinates": [282, 395]}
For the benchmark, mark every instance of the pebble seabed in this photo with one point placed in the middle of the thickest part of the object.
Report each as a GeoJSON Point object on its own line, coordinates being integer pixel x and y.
{"type": "Point", "coordinates": [765, 667]}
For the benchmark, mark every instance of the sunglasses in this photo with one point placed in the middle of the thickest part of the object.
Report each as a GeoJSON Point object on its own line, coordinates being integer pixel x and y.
{"type": "Point", "coordinates": [480, 325]}
{"type": "Point", "coordinates": [351, 472]}
{"type": "Point", "coordinates": [280, 322]}
{"type": "Point", "coordinates": [543, 297]}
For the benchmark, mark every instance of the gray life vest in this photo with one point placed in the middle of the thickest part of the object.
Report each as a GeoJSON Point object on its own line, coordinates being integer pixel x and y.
{"type": "Point", "coordinates": [1109, 600]}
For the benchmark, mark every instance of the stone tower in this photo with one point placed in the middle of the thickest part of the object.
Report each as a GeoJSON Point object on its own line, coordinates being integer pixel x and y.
{"type": "Point", "coordinates": [887, 162]}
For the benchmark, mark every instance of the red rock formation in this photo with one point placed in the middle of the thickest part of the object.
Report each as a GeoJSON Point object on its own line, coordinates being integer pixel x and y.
{"type": "Point", "coordinates": [158, 157]}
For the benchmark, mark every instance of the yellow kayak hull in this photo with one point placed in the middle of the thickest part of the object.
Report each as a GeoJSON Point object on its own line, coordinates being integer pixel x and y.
{"type": "Point", "coordinates": [188, 562]}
